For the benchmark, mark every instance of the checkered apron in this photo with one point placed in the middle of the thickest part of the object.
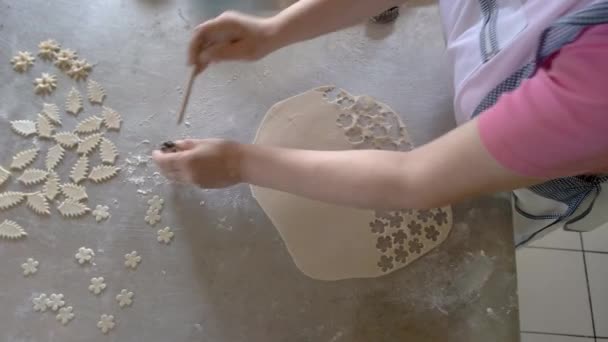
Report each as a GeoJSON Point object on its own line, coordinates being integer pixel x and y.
{"type": "Point", "coordinates": [576, 191]}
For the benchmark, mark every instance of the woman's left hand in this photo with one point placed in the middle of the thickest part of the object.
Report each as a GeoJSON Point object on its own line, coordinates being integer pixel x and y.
{"type": "Point", "coordinates": [208, 163]}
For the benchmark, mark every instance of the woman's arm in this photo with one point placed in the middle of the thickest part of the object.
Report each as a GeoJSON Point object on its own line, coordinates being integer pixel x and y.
{"type": "Point", "coordinates": [451, 168]}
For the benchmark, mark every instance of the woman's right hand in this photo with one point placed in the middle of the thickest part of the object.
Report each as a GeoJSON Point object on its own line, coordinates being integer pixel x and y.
{"type": "Point", "coordinates": [232, 36]}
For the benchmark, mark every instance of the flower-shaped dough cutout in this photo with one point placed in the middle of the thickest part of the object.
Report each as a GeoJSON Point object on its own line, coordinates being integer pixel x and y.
{"type": "Point", "coordinates": [101, 213]}
{"type": "Point", "coordinates": [45, 84]}
{"type": "Point", "coordinates": [30, 266]}
{"type": "Point", "coordinates": [64, 59]}
{"type": "Point", "coordinates": [124, 298]}
{"type": "Point", "coordinates": [132, 260]}
{"type": "Point", "coordinates": [165, 235]}
{"type": "Point", "coordinates": [106, 323]}
{"type": "Point", "coordinates": [97, 285]}
{"type": "Point", "coordinates": [47, 49]}
{"type": "Point", "coordinates": [84, 255]}
{"type": "Point", "coordinates": [22, 61]}
{"type": "Point", "coordinates": [40, 303]}
{"type": "Point", "coordinates": [65, 315]}
{"type": "Point", "coordinates": [55, 301]}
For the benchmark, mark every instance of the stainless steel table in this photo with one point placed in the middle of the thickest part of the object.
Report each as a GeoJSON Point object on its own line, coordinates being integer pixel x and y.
{"type": "Point", "coordinates": [227, 275]}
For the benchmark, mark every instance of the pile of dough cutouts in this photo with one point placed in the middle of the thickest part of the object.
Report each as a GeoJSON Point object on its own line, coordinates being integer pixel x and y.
{"type": "Point", "coordinates": [42, 189]}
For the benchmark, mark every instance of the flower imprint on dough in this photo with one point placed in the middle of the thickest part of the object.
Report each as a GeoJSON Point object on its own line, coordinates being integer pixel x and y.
{"type": "Point", "coordinates": [40, 303]}
{"type": "Point", "coordinates": [30, 266]}
{"type": "Point", "coordinates": [124, 298]}
{"type": "Point", "coordinates": [65, 315]}
{"type": "Point", "coordinates": [384, 243]}
{"type": "Point", "coordinates": [97, 285]}
{"type": "Point", "coordinates": [165, 235]}
{"type": "Point", "coordinates": [383, 214]}
{"type": "Point", "coordinates": [106, 323]}
{"type": "Point", "coordinates": [45, 84]}
{"type": "Point", "coordinates": [385, 263]}
{"type": "Point", "coordinates": [55, 301]}
{"type": "Point", "coordinates": [415, 228]}
{"type": "Point", "coordinates": [415, 246]}
{"type": "Point", "coordinates": [431, 233]}
{"type": "Point", "coordinates": [132, 260]}
{"type": "Point", "coordinates": [344, 120]}
{"type": "Point", "coordinates": [395, 221]}
{"type": "Point", "coordinates": [399, 237]}
{"type": "Point", "coordinates": [406, 212]}
{"type": "Point", "coordinates": [101, 213]}
{"type": "Point", "coordinates": [377, 226]}
{"type": "Point", "coordinates": [440, 217]}
{"type": "Point", "coordinates": [425, 215]}
{"type": "Point", "coordinates": [364, 121]}
{"type": "Point", "coordinates": [84, 255]}
{"type": "Point", "coordinates": [401, 254]}
{"type": "Point", "coordinates": [22, 61]}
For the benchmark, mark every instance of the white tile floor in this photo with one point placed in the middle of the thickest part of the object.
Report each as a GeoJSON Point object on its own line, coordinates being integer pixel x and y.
{"type": "Point", "coordinates": [563, 287]}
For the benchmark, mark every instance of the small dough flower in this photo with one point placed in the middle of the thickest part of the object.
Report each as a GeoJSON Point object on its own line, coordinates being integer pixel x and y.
{"type": "Point", "coordinates": [124, 298]}
{"type": "Point", "coordinates": [97, 285]}
{"type": "Point", "coordinates": [165, 235]}
{"type": "Point", "coordinates": [132, 260]}
{"type": "Point", "coordinates": [64, 59]}
{"type": "Point", "coordinates": [30, 266]}
{"type": "Point", "coordinates": [80, 69]}
{"type": "Point", "coordinates": [106, 323]}
{"type": "Point", "coordinates": [55, 301]}
{"type": "Point", "coordinates": [101, 213]}
{"type": "Point", "coordinates": [84, 255]}
{"type": "Point", "coordinates": [40, 303]}
{"type": "Point", "coordinates": [65, 315]}
{"type": "Point", "coordinates": [45, 84]}
{"type": "Point", "coordinates": [22, 61]}
{"type": "Point", "coordinates": [47, 49]}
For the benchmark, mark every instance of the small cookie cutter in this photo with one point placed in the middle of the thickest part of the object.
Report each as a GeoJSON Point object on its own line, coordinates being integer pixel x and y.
{"type": "Point", "coordinates": [168, 147]}
{"type": "Point", "coordinates": [387, 16]}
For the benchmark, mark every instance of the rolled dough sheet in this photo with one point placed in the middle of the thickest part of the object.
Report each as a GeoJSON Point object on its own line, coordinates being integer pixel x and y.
{"type": "Point", "coordinates": [329, 242]}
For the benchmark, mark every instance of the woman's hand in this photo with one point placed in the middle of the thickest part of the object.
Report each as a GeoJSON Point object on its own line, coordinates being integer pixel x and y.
{"type": "Point", "coordinates": [208, 163]}
{"type": "Point", "coordinates": [232, 36]}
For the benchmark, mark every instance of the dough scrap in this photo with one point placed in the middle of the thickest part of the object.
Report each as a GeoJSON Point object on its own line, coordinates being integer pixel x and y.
{"type": "Point", "coordinates": [39, 303]}
{"type": "Point", "coordinates": [45, 84]}
{"type": "Point", "coordinates": [165, 235]}
{"type": "Point", "coordinates": [89, 125]}
{"type": "Point", "coordinates": [38, 203]}
{"type": "Point", "coordinates": [24, 158]}
{"type": "Point", "coordinates": [106, 323]}
{"type": "Point", "coordinates": [24, 128]}
{"type": "Point", "coordinates": [80, 170]}
{"type": "Point", "coordinates": [70, 208]}
{"type": "Point", "coordinates": [47, 49]}
{"type": "Point", "coordinates": [66, 139]}
{"type": "Point", "coordinates": [10, 199]}
{"type": "Point", "coordinates": [95, 92]}
{"type": "Point", "coordinates": [103, 173]}
{"type": "Point", "coordinates": [30, 266]}
{"type": "Point", "coordinates": [73, 103]}
{"type": "Point", "coordinates": [55, 301]}
{"type": "Point", "coordinates": [51, 111]}
{"type": "Point", "coordinates": [107, 151]}
{"type": "Point", "coordinates": [132, 260]}
{"type": "Point", "coordinates": [4, 175]}
{"type": "Point", "coordinates": [330, 242]}
{"type": "Point", "coordinates": [22, 61]}
{"type": "Point", "coordinates": [11, 230]}
{"type": "Point", "coordinates": [54, 156]}
{"type": "Point", "coordinates": [44, 127]}
{"type": "Point", "coordinates": [97, 285]}
{"type": "Point", "coordinates": [80, 69]}
{"type": "Point", "coordinates": [101, 213]}
{"type": "Point", "coordinates": [74, 192]}
{"type": "Point", "coordinates": [64, 59]}
{"type": "Point", "coordinates": [124, 298]}
{"type": "Point", "coordinates": [65, 315]}
{"type": "Point", "coordinates": [51, 187]}
{"type": "Point", "coordinates": [84, 255]}
{"type": "Point", "coordinates": [111, 118]}
{"type": "Point", "coordinates": [33, 176]}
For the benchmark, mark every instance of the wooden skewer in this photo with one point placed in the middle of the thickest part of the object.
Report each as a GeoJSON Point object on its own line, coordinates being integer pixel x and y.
{"type": "Point", "coordinates": [182, 111]}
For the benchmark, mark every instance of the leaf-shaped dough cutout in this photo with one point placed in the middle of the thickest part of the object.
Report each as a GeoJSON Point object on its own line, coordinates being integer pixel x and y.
{"type": "Point", "coordinates": [80, 169]}
{"type": "Point", "coordinates": [24, 158]}
{"type": "Point", "coordinates": [51, 187]}
{"type": "Point", "coordinates": [71, 208]}
{"type": "Point", "coordinates": [24, 128]}
{"type": "Point", "coordinates": [11, 230]}
{"type": "Point", "coordinates": [89, 143]}
{"type": "Point", "coordinates": [74, 191]}
{"type": "Point", "coordinates": [53, 157]}
{"type": "Point", "coordinates": [107, 150]}
{"type": "Point", "coordinates": [103, 173]}
{"type": "Point", "coordinates": [51, 111]}
{"type": "Point", "coordinates": [4, 175]}
{"type": "Point", "coordinates": [95, 92]}
{"type": "Point", "coordinates": [10, 199]}
{"type": "Point", "coordinates": [111, 118]}
{"type": "Point", "coordinates": [38, 203]}
{"type": "Point", "coordinates": [73, 103]}
{"type": "Point", "coordinates": [89, 125]}
{"type": "Point", "coordinates": [44, 127]}
{"type": "Point", "coordinates": [67, 139]}
{"type": "Point", "coordinates": [33, 176]}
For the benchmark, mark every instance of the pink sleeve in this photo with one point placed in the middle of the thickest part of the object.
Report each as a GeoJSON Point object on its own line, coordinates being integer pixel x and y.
{"type": "Point", "coordinates": [556, 123]}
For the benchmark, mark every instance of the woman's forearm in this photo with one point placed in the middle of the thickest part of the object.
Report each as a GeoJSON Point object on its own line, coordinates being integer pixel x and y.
{"type": "Point", "coordinates": [307, 19]}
